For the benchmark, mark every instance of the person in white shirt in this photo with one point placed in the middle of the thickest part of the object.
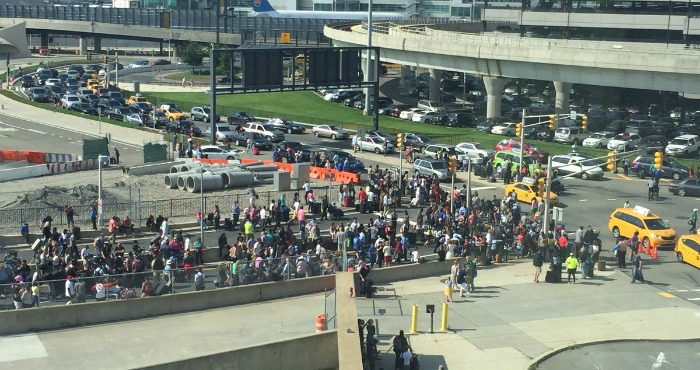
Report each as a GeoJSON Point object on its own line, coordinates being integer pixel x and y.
{"type": "Point", "coordinates": [415, 255]}
{"type": "Point", "coordinates": [406, 357]}
{"type": "Point", "coordinates": [164, 227]}
{"type": "Point", "coordinates": [100, 291]}
{"type": "Point", "coordinates": [263, 218]}
{"type": "Point", "coordinates": [70, 288]}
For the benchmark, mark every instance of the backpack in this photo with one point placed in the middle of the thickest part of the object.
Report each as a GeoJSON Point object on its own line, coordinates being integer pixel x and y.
{"type": "Point", "coordinates": [139, 266]}
{"type": "Point", "coordinates": [199, 279]}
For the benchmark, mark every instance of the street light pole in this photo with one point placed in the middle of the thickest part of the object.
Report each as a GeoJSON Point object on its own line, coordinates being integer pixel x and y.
{"type": "Point", "coordinates": [545, 219]}
{"type": "Point", "coordinates": [368, 67]}
{"type": "Point", "coordinates": [201, 199]}
{"type": "Point", "coordinates": [522, 141]}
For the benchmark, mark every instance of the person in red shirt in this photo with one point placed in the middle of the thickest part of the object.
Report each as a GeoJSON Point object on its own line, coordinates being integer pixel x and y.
{"type": "Point", "coordinates": [362, 196]}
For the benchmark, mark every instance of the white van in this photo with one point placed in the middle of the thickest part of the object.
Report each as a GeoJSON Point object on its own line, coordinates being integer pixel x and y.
{"type": "Point", "coordinates": [430, 105]}
{"type": "Point", "coordinates": [570, 135]}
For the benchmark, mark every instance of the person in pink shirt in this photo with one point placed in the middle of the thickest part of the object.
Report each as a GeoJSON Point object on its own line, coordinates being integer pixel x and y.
{"type": "Point", "coordinates": [301, 217]}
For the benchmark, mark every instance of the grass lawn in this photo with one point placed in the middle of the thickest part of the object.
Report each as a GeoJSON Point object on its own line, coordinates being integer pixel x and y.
{"type": "Point", "coordinates": [198, 76]}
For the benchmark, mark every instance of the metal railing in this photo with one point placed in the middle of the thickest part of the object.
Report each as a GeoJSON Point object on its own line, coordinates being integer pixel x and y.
{"type": "Point", "coordinates": [173, 281]}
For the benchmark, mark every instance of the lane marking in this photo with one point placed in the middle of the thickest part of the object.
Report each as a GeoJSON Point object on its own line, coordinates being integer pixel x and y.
{"type": "Point", "coordinates": [611, 199]}
{"type": "Point", "coordinates": [660, 359]}
{"type": "Point", "coordinates": [484, 188]}
{"type": "Point", "coordinates": [693, 299]}
{"type": "Point", "coordinates": [15, 128]}
{"type": "Point", "coordinates": [667, 295]}
{"type": "Point", "coordinates": [583, 200]}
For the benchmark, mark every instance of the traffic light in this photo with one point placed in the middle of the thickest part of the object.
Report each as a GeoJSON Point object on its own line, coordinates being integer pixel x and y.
{"type": "Point", "coordinates": [451, 163]}
{"type": "Point", "coordinates": [584, 122]}
{"type": "Point", "coordinates": [89, 56]}
{"type": "Point", "coordinates": [611, 161]}
{"type": "Point", "coordinates": [658, 160]}
{"type": "Point", "coordinates": [519, 129]}
{"type": "Point", "coordinates": [552, 121]}
{"type": "Point", "coordinates": [105, 59]}
{"type": "Point", "coordinates": [399, 140]}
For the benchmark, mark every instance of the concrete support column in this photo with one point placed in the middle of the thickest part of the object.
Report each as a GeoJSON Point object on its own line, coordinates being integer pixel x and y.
{"type": "Point", "coordinates": [561, 100]}
{"type": "Point", "coordinates": [44, 40]}
{"type": "Point", "coordinates": [96, 44]}
{"type": "Point", "coordinates": [405, 73]}
{"type": "Point", "coordinates": [160, 44]}
{"type": "Point", "coordinates": [82, 45]}
{"type": "Point", "coordinates": [368, 76]}
{"type": "Point", "coordinates": [434, 84]}
{"type": "Point", "coordinates": [495, 86]}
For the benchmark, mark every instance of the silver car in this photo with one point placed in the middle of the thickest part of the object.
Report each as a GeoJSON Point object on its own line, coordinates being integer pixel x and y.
{"type": "Point", "coordinates": [134, 118]}
{"type": "Point", "coordinates": [430, 167]}
{"type": "Point", "coordinates": [330, 131]}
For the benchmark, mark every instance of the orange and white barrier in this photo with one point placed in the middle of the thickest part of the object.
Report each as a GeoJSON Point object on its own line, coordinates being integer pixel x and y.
{"type": "Point", "coordinates": [56, 168]}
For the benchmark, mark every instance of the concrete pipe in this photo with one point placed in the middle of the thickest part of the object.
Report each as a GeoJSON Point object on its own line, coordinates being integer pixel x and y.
{"type": "Point", "coordinates": [264, 175]}
{"type": "Point", "coordinates": [237, 179]}
{"type": "Point", "coordinates": [191, 166]}
{"type": "Point", "coordinates": [182, 181]}
{"type": "Point", "coordinates": [259, 163]}
{"type": "Point", "coordinates": [171, 180]}
{"type": "Point", "coordinates": [207, 182]}
{"type": "Point", "coordinates": [174, 169]}
{"type": "Point", "coordinates": [263, 168]}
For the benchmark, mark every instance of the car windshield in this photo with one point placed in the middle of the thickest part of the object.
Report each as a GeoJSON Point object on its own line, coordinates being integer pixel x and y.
{"type": "Point", "coordinates": [224, 128]}
{"type": "Point", "coordinates": [679, 141]}
{"type": "Point", "coordinates": [206, 110]}
{"type": "Point", "coordinates": [439, 165]}
{"type": "Point", "coordinates": [333, 128]}
{"type": "Point", "coordinates": [72, 98]}
{"type": "Point", "coordinates": [674, 163]}
{"type": "Point", "coordinates": [656, 224]}
{"type": "Point", "coordinates": [479, 146]}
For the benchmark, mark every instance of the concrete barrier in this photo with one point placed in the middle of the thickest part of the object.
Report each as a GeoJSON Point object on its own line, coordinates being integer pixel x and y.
{"type": "Point", "coordinates": [60, 158]}
{"type": "Point", "coordinates": [56, 168]}
{"type": "Point", "coordinates": [412, 271]}
{"type": "Point", "coordinates": [283, 289]}
{"type": "Point", "coordinates": [23, 172]}
{"type": "Point", "coordinates": [154, 168]}
{"type": "Point", "coordinates": [349, 352]}
{"type": "Point", "coordinates": [287, 354]}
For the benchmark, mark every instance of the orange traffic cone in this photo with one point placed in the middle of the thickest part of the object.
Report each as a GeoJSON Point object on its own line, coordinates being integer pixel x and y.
{"type": "Point", "coordinates": [654, 255]}
{"type": "Point", "coordinates": [639, 248]}
{"type": "Point", "coordinates": [647, 251]}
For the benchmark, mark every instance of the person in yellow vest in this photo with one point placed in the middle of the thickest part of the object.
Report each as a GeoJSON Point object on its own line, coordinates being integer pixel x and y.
{"type": "Point", "coordinates": [571, 265]}
{"type": "Point", "coordinates": [248, 229]}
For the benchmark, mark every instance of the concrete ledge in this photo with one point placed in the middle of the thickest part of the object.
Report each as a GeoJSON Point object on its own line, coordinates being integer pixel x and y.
{"type": "Point", "coordinates": [412, 271]}
{"type": "Point", "coordinates": [153, 168]}
{"type": "Point", "coordinates": [292, 353]}
{"type": "Point", "coordinates": [349, 352]}
{"type": "Point", "coordinates": [23, 172]}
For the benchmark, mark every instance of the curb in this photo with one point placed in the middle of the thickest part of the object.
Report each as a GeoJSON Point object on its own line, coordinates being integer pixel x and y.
{"type": "Point", "coordinates": [551, 353]}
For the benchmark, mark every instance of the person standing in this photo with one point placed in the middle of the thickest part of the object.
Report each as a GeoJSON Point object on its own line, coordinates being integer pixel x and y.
{"type": "Point", "coordinates": [651, 184]}
{"type": "Point", "coordinates": [449, 289]}
{"type": "Point", "coordinates": [400, 345]}
{"type": "Point", "coordinates": [693, 221]}
{"type": "Point", "coordinates": [93, 217]}
{"type": "Point", "coordinates": [571, 265]}
{"type": "Point", "coordinates": [578, 238]}
{"type": "Point", "coordinates": [637, 267]}
{"type": "Point", "coordinates": [116, 155]}
{"type": "Point", "coordinates": [537, 261]}
{"type": "Point", "coordinates": [235, 213]}
{"type": "Point", "coordinates": [217, 217]}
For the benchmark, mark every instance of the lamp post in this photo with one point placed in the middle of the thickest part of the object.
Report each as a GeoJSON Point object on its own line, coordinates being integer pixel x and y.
{"type": "Point", "coordinates": [368, 67]}
{"type": "Point", "coordinates": [201, 199]}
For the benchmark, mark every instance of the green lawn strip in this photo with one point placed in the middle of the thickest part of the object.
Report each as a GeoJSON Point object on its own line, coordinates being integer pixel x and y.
{"type": "Point", "coordinates": [196, 77]}
{"type": "Point", "coordinates": [47, 63]}
{"type": "Point", "coordinates": [307, 107]}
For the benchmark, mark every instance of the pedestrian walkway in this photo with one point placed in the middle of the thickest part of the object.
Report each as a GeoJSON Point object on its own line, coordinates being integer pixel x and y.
{"type": "Point", "coordinates": [510, 320]}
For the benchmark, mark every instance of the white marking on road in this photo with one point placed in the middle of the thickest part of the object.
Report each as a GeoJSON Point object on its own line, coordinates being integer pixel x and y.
{"type": "Point", "coordinates": [15, 128]}
{"type": "Point", "coordinates": [612, 199]}
{"type": "Point", "coordinates": [583, 200]}
{"type": "Point", "coordinates": [694, 299]}
{"type": "Point", "coordinates": [660, 359]}
{"type": "Point", "coordinates": [484, 188]}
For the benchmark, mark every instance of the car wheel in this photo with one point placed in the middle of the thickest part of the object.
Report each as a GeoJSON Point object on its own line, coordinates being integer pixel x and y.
{"type": "Point", "coordinates": [230, 157]}
{"type": "Point", "coordinates": [376, 150]}
{"type": "Point", "coordinates": [333, 136]}
{"type": "Point", "coordinates": [238, 143]}
{"type": "Point", "coordinates": [679, 257]}
{"type": "Point", "coordinates": [676, 176]}
{"type": "Point", "coordinates": [616, 232]}
{"type": "Point", "coordinates": [289, 131]}
{"type": "Point", "coordinates": [316, 133]}
{"type": "Point", "coordinates": [645, 242]}
{"type": "Point", "coordinates": [584, 176]}
{"type": "Point", "coordinates": [599, 146]}
{"type": "Point", "coordinates": [681, 192]}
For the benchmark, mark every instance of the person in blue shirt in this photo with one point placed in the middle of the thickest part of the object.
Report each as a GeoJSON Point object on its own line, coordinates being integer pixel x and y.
{"type": "Point", "coordinates": [356, 244]}
{"type": "Point", "coordinates": [24, 231]}
{"type": "Point", "coordinates": [372, 256]}
{"type": "Point", "coordinates": [339, 166]}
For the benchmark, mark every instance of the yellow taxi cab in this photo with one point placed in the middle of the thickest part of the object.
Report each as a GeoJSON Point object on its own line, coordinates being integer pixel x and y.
{"type": "Point", "coordinates": [688, 249]}
{"type": "Point", "coordinates": [527, 189]}
{"type": "Point", "coordinates": [91, 72]}
{"type": "Point", "coordinates": [133, 99]}
{"type": "Point", "coordinates": [625, 221]}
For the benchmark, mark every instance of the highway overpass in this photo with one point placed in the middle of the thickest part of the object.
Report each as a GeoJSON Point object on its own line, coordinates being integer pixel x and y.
{"type": "Point", "coordinates": [497, 56]}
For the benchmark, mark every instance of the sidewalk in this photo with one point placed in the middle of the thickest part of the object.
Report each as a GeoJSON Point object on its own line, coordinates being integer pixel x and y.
{"type": "Point", "coordinates": [510, 321]}
{"type": "Point", "coordinates": [85, 126]}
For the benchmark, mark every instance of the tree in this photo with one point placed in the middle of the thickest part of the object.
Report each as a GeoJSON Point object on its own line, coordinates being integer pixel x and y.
{"type": "Point", "coordinates": [192, 54]}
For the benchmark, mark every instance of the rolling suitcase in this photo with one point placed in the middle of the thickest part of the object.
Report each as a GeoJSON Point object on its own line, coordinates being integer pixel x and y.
{"type": "Point", "coordinates": [76, 233]}
{"type": "Point", "coordinates": [549, 277]}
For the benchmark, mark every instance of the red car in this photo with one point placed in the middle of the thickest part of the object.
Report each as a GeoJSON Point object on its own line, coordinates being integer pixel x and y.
{"type": "Point", "coordinates": [514, 145]}
{"type": "Point", "coordinates": [160, 62]}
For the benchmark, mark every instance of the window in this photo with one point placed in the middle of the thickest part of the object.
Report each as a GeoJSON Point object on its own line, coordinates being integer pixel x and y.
{"type": "Point", "coordinates": [692, 244]}
{"type": "Point", "coordinates": [460, 11]}
{"type": "Point", "coordinates": [656, 224]}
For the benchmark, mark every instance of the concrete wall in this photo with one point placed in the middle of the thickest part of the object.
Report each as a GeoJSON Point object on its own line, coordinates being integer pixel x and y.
{"type": "Point", "coordinates": [23, 172]}
{"type": "Point", "coordinates": [288, 354]}
{"type": "Point", "coordinates": [16, 37]}
{"type": "Point", "coordinates": [412, 271]}
{"type": "Point", "coordinates": [58, 317]}
{"type": "Point", "coordinates": [348, 349]}
{"type": "Point", "coordinates": [150, 169]}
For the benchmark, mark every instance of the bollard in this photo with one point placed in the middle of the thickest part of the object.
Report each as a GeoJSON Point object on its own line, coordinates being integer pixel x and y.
{"type": "Point", "coordinates": [443, 327]}
{"type": "Point", "coordinates": [414, 319]}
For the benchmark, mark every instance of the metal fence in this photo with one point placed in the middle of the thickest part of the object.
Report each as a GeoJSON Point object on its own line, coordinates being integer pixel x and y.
{"type": "Point", "coordinates": [217, 275]}
{"type": "Point", "coordinates": [139, 210]}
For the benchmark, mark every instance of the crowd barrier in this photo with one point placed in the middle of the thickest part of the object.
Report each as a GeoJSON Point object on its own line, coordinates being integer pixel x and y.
{"type": "Point", "coordinates": [56, 168]}
{"type": "Point", "coordinates": [285, 353]}
{"type": "Point", "coordinates": [23, 172]}
{"type": "Point", "coordinates": [60, 158]}
{"type": "Point", "coordinates": [30, 156]}
{"type": "Point", "coordinates": [318, 173]}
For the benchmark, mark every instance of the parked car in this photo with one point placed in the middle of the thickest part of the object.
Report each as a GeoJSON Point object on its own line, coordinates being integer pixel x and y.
{"type": "Point", "coordinates": [571, 163]}
{"type": "Point", "coordinates": [500, 159]}
{"type": "Point", "coordinates": [202, 114]}
{"type": "Point", "coordinates": [375, 144]}
{"type": "Point", "coordinates": [432, 151]}
{"type": "Point", "coordinates": [84, 108]}
{"type": "Point", "coordinates": [38, 94]}
{"type": "Point", "coordinates": [183, 127]}
{"type": "Point", "coordinates": [430, 167]}
{"type": "Point", "coordinates": [598, 139]}
{"type": "Point", "coordinates": [286, 126]}
{"type": "Point", "coordinates": [394, 110]}
{"type": "Point", "coordinates": [570, 135]}
{"type": "Point", "coordinates": [417, 141]}
{"type": "Point", "coordinates": [458, 119]}
{"type": "Point", "coordinates": [142, 108]}
{"type": "Point", "coordinates": [240, 138]}
{"type": "Point", "coordinates": [302, 150]}
{"type": "Point", "coordinates": [408, 113]}
{"type": "Point", "coordinates": [487, 124]}
{"type": "Point", "coordinates": [653, 143]}
{"type": "Point", "coordinates": [172, 111]}
{"type": "Point", "coordinates": [683, 145]}
{"type": "Point", "coordinates": [330, 131]}
{"type": "Point", "coordinates": [218, 152]}
{"type": "Point", "coordinates": [158, 118]}
{"type": "Point", "coordinates": [474, 149]}
{"type": "Point", "coordinates": [239, 118]}
{"type": "Point", "coordinates": [686, 187]}
{"type": "Point", "coordinates": [69, 100]}
{"type": "Point", "coordinates": [135, 118]}
{"type": "Point", "coordinates": [670, 168]}
{"type": "Point", "coordinates": [624, 142]}
{"type": "Point", "coordinates": [507, 128]}
{"type": "Point", "coordinates": [383, 135]}
{"type": "Point", "coordinates": [514, 145]}
{"type": "Point", "coordinates": [265, 130]}
{"type": "Point", "coordinates": [430, 105]}
{"type": "Point", "coordinates": [119, 113]}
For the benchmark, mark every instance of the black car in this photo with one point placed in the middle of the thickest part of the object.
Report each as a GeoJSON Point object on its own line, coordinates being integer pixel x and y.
{"type": "Point", "coordinates": [345, 94]}
{"type": "Point", "coordinates": [653, 143]}
{"type": "Point", "coordinates": [546, 134]}
{"type": "Point", "coordinates": [184, 127]}
{"type": "Point", "coordinates": [350, 102]}
{"type": "Point", "coordinates": [42, 77]}
{"type": "Point", "coordinates": [142, 108]}
{"type": "Point", "coordinates": [487, 124]}
{"type": "Point", "coordinates": [459, 119]}
{"type": "Point", "coordinates": [84, 108]}
{"type": "Point", "coordinates": [118, 114]}
{"type": "Point", "coordinates": [394, 110]}
{"type": "Point", "coordinates": [27, 81]}
{"type": "Point", "coordinates": [38, 94]}
{"type": "Point", "coordinates": [239, 118]}
{"type": "Point", "coordinates": [55, 92]}
{"type": "Point", "coordinates": [687, 187]}
{"type": "Point", "coordinates": [300, 149]}
{"type": "Point", "coordinates": [116, 95]}
{"type": "Point", "coordinates": [670, 168]}
{"type": "Point", "coordinates": [286, 126]}
{"type": "Point", "coordinates": [688, 129]}
{"type": "Point", "coordinates": [354, 164]}
{"type": "Point", "coordinates": [417, 141]}
{"type": "Point", "coordinates": [666, 129]}
{"type": "Point", "coordinates": [108, 104]}
{"type": "Point", "coordinates": [240, 138]}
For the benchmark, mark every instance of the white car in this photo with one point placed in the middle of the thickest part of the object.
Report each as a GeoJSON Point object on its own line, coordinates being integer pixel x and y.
{"type": "Point", "coordinates": [265, 130]}
{"type": "Point", "coordinates": [624, 142]}
{"type": "Point", "coordinates": [408, 114]}
{"type": "Point", "coordinates": [507, 129]}
{"type": "Point", "coordinates": [69, 100]}
{"type": "Point", "coordinates": [218, 152]}
{"type": "Point", "coordinates": [474, 150]}
{"type": "Point", "coordinates": [375, 144]}
{"type": "Point", "coordinates": [683, 145]}
{"type": "Point", "coordinates": [423, 118]}
{"type": "Point", "coordinates": [418, 115]}
{"type": "Point", "coordinates": [598, 139]}
{"type": "Point", "coordinates": [574, 164]}
{"type": "Point", "coordinates": [330, 131]}
{"type": "Point", "coordinates": [223, 131]}
{"type": "Point", "coordinates": [138, 64]}
{"type": "Point", "coordinates": [52, 81]}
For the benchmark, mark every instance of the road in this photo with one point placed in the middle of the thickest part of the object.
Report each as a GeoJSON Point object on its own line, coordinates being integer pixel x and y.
{"type": "Point", "coordinates": [627, 355]}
